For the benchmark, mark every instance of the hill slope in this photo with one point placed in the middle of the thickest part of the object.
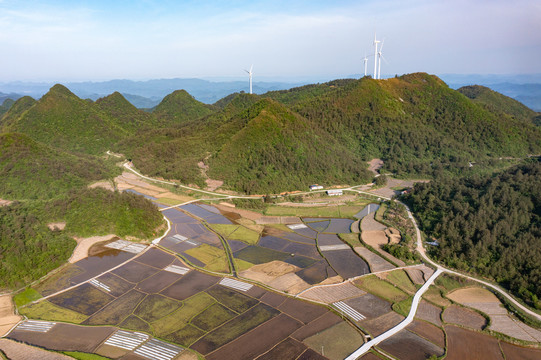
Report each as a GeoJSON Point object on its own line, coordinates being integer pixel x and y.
{"type": "Point", "coordinates": [126, 115]}
{"type": "Point", "coordinates": [180, 106]}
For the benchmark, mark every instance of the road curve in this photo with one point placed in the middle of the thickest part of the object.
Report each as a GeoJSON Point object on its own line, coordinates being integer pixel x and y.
{"type": "Point", "coordinates": [415, 303]}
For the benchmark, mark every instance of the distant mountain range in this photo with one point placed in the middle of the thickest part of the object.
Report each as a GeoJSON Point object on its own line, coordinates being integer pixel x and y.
{"type": "Point", "coordinates": [147, 94]}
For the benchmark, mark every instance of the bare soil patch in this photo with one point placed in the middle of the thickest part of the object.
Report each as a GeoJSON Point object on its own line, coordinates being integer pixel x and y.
{"type": "Point", "coordinates": [370, 224]}
{"type": "Point", "coordinates": [428, 331]}
{"type": "Point", "coordinates": [465, 317]}
{"type": "Point", "coordinates": [514, 352]}
{"type": "Point", "coordinates": [259, 340]}
{"type": "Point", "coordinates": [287, 349]}
{"type": "Point", "coordinates": [268, 272]}
{"type": "Point", "coordinates": [369, 305]}
{"type": "Point", "coordinates": [5, 202]}
{"type": "Point", "coordinates": [326, 321]}
{"type": "Point", "coordinates": [81, 251]}
{"type": "Point", "coordinates": [134, 271]}
{"type": "Point", "coordinates": [246, 214]}
{"type": "Point", "coordinates": [302, 311]}
{"type": "Point", "coordinates": [429, 312]}
{"type": "Point", "coordinates": [56, 226]}
{"type": "Point", "coordinates": [18, 351]}
{"type": "Point", "coordinates": [416, 275]}
{"type": "Point", "coordinates": [376, 262]}
{"type": "Point", "coordinates": [466, 344]}
{"type": "Point", "coordinates": [374, 165]}
{"type": "Point", "coordinates": [472, 295]}
{"type": "Point", "coordinates": [289, 283]}
{"type": "Point", "coordinates": [190, 284]}
{"type": "Point", "coordinates": [156, 258]}
{"type": "Point", "coordinates": [379, 325]}
{"type": "Point", "coordinates": [514, 328]}
{"type": "Point", "coordinates": [408, 346]}
{"type": "Point", "coordinates": [332, 293]}
{"type": "Point", "coordinates": [7, 315]}
{"type": "Point", "coordinates": [336, 342]}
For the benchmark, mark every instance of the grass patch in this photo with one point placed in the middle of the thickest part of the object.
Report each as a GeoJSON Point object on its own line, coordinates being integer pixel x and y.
{"type": "Point", "coordinates": [185, 336]}
{"type": "Point", "coordinates": [191, 307]}
{"type": "Point", "coordinates": [401, 279]}
{"type": "Point", "coordinates": [337, 342]}
{"type": "Point", "coordinates": [380, 212]}
{"type": "Point", "coordinates": [352, 239]}
{"type": "Point", "coordinates": [403, 307]}
{"type": "Point", "coordinates": [242, 265]}
{"type": "Point", "coordinates": [214, 258]}
{"type": "Point", "coordinates": [44, 310]}
{"type": "Point", "coordinates": [381, 288]}
{"type": "Point", "coordinates": [340, 211]}
{"type": "Point", "coordinates": [25, 297]}
{"type": "Point", "coordinates": [223, 229]}
{"type": "Point", "coordinates": [212, 317]}
{"type": "Point", "coordinates": [84, 356]}
{"type": "Point", "coordinates": [117, 310]}
{"type": "Point", "coordinates": [236, 232]}
{"type": "Point", "coordinates": [155, 307]}
{"type": "Point", "coordinates": [449, 282]}
{"type": "Point", "coordinates": [433, 294]}
{"type": "Point", "coordinates": [171, 202]}
{"type": "Point", "coordinates": [232, 299]}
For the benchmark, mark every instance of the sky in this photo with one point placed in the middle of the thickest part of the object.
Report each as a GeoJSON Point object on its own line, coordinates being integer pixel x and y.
{"type": "Point", "coordinates": [69, 40]}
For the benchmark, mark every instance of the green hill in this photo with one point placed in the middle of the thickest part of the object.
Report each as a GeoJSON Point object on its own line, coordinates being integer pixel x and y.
{"type": "Point", "coordinates": [63, 120]}
{"type": "Point", "coordinates": [180, 106]}
{"type": "Point", "coordinates": [6, 104]}
{"type": "Point", "coordinates": [31, 170]}
{"type": "Point", "coordinates": [497, 102]}
{"type": "Point", "coordinates": [125, 114]}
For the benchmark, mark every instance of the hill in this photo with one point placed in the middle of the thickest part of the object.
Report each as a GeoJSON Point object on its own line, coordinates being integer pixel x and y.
{"type": "Point", "coordinates": [415, 123]}
{"type": "Point", "coordinates": [6, 104]}
{"type": "Point", "coordinates": [31, 170]}
{"type": "Point", "coordinates": [127, 116]}
{"type": "Point", "coordinates": [180, 106]}
{"type": "Point", "coordinates": [489, 225]}
{"type": "Point", "coordinates": [497, 102]}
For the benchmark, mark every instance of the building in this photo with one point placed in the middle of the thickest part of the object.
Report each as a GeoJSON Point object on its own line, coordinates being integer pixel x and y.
{"type": "Point", "coordinates": [335, 192]}
{"type": "Point", "coordinates": [315, 187]}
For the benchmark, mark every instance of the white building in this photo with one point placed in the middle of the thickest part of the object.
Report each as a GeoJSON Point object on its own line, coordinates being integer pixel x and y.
{"type": "Point", "coordinates": [335, 192]}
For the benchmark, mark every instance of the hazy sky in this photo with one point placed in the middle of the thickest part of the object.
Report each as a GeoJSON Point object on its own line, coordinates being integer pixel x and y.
{"type": "Point", "coordinates": [144, 39]}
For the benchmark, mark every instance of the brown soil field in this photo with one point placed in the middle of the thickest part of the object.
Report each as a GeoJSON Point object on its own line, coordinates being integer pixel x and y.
{"type": "Point", "coordinates": [433, 295]}
{"type": "Point", "coordinates": [8, 319]}
{"type": "Point", "coordinates": [462, 316]}
{"type": "Point", "coordinates": [326, 321]}
{"type": "Point", "coordinates": [370, 224]}
{"type": "Point", "coordinates": [66, 337]}
{"type": "Point", "coordinates": [379, 325]}
{"type": "Point", "coordinates": [269, 271]}
{"type": "Point", "coordinates": [85, 299]}
{"type": "Point", "coordinates": [112, 352]}
{"type": "Point", "coordinates": [18, 351]}
{"type": "Point", "coordinates": [287, 349]}
{"type": "Point", "coordinates": [428, 331]}
{"type": "Point", "coordinates": [246, 214]}
{"type": "Point", "coordinates": [336, 342]}
{"type": "Point", "coordinates": [465, 344]}
{"type": "Point", "coordinates": [416, 275]}
{"type": "Point", "coordinates": [84, 244]}
{"type": "Point", "coordinates": [369, 305]}
{"type": "Point", "coordinates": [376, 262]}
{"type": "Point", "coordinates": [301, 310]}
{"type": "Point", "coordinates": [311, 355]}
{"type": "Point", "coordinates": [514, 352]}
{"type": "Point", "coordinates": [514, 328]}
{"type": "Point", "coordinates": [472, 295]}
{"type": "Point", "coordinates": [429, 312]}
{"type": "Point", "coordinates": [408, 346]}
{"type": "Point", "coordinates": [190, 284]}
{"type": "Point", "coordinates": [289, 283]}
{"type": "Point", "coordinates": [258, 341]}
{"type": "Point", "coordinates": [56, 226]}
{"type": "Point", "coordinates": [370, 356]}
{"type": "Point", "coordinates": [332, 293]}
{"type": "Point", "coordinates": [273, 299]}
{"type": "Point", "coordinates": [156, 258]}
{"type": "Point", "coordinates": [117, 285]}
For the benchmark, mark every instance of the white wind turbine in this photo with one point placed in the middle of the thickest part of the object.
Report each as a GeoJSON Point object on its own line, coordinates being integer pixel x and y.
{"type": "Point", "coordinates": [376, 42]}
{"type": "Point", "coordinates": [365, 63]}
{"type": "Point", "coordinates": [250, 74]}
{"type": "Point", "coordinates": [380, 55]}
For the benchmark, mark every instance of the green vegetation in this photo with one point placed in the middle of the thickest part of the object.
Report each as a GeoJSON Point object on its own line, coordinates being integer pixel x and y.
{"type": "Point", "coordinates": [403, 307]}
{"type": "Point", "coordinates": [214, 258]}
{"type": "Point", "coordinates": [381, 288]}
{"type": "Point", "coordinates": [185, 336]}
{"type": "Point", "coordinates": [337, 342]}
{"type": "Point", "coordinates": [232, 299]}
{"type": "Point", "coordinates": [351, 239]}
{"type": "Point", "coordinates": [236, 232]}
{"type": "Point", "coordinates": [132, 322]}
{"type": "Point", "coordinates": [212, 317]}
{"type": "Point", "coordinates": [84, 356]}
{"type": "Point", "coordinates": [98, 211]}
{"type": "Point", "coordinates": [25, 297]}
{"type": "Point", "coordinates": [179, 106]}
{"type": "Point", "coordinates": [44, 310]}
{"type": "Point", "coordinates": [402, 280]}
{"type": "Point", "coordinates": [117, 310]}
{"type": "Point", "coordinates": [381, 211]}
{"type": "Point", "coordinates": [29, 250]}
{"type": "Point", "coordinates": [489, 225]}
{"type": "Point", "coordinates": [394, 214]}
{"type": "Point", "coordinates": [343, 211]}
{"type": "Point", "coordinates": [155, 307]}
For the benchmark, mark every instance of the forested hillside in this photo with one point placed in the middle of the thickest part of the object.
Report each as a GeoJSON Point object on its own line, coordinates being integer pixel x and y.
{"type": "Point", "coordinates": [488, 225]}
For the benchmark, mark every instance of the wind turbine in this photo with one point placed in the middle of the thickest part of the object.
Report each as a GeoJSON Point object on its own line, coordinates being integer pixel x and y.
{"type": "Point", "coordinates": [250, 74]}
{"type": "Point", "coordinates": [380, 55]}
{"type": "Point", "coordinates": [365, 63]}
{"type": "Point", "coordinates": [376, 42]}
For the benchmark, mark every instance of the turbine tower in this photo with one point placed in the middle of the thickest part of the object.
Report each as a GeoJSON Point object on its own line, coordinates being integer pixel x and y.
{"type": "Point", "coordinates": [376, 42]}
{"type": "Point", "coordinates": [380, 55]}
{"type": "Point", "coordinates": [365, 63]}
{"type": "Point", "coordinates": [250, 75]}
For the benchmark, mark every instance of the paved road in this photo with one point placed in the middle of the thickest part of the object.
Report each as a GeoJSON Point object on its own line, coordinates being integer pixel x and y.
{"type": "Point", "coordinates": [415, 303]}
